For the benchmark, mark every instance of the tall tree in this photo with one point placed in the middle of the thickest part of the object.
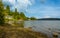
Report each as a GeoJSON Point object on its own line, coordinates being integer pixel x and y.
{"type": "Point", "coordinates": [16, 14]}
{"type": "Point", "coordinates": [8, 9]}
{"type": "Point", "coordinates": [1, 13]}
{"type": "Point", "coordinates": [16, 10]}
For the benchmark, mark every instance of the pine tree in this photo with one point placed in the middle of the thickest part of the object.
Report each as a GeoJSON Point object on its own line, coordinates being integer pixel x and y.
{"type": "Point", "coordinates": [1, 13]}
{"type": "Point", "coordinates": [8, 9]}
{"type": "Point", "coordinates": [15, 14]}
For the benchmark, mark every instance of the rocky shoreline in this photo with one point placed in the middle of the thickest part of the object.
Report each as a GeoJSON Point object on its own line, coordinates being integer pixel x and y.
{"type": "Point", "coordinates": [14, 32]}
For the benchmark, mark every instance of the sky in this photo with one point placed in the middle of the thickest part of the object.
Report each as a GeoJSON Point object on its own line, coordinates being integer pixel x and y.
{"type": "Point", "coordinates": [36, 8]}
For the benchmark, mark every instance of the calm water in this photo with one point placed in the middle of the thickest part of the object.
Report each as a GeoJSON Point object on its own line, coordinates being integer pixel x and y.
{"type": "Point", "coordinates": [45, 26]}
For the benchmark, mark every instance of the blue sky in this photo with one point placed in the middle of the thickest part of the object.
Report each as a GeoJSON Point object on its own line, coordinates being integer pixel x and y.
{"type": "Point", "coordinates": [36, 8]}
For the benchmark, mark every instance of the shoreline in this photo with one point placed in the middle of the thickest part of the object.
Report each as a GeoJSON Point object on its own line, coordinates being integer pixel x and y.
{"type": "Point", "coordinates": [14, 32]}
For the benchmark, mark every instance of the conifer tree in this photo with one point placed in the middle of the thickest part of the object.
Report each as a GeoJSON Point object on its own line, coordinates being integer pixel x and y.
{"type": "Point", "coordinates": [8, 9]}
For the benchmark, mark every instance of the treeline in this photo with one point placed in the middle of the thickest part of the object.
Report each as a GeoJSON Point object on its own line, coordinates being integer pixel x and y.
{"type": "Point", "coordinates": [49, 19]}
{"type": "Point", "coordinates": [5, 12]}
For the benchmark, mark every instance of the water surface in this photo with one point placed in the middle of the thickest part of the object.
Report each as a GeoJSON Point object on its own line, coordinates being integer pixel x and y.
{"type": "Point", "coordinates": [45, 26]}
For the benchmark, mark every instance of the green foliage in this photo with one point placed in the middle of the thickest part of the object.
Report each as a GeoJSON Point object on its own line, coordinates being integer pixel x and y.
{"type": "Point", "coordinates": [16, 10]}
{"type": "Point", "coordinates": [1, 13]}
{"type": "Point", "coordinates": [16, 14]}
{"type": "Point", "coordinates": [8, 10]}
{"type": "Point", "coordinates": [22, 16]}
{"type": "Point", "coordinates": [32, 18]}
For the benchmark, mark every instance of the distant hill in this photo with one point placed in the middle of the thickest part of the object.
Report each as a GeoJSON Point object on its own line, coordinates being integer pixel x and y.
{"type": "Point", "coordinates": [49, 19]}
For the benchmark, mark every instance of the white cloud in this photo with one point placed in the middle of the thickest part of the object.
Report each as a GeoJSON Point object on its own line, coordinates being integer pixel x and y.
{"type": "Point", "coordinates": [22, 4]}
{"type": "Point", "coordinates": [11, 1]}
{"type": "Point", "coordinates": [51, 12]}
{"type": "Point", "coordinates": [19, 4]}
{"type": "Point", "coordinates": [45, 12]}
